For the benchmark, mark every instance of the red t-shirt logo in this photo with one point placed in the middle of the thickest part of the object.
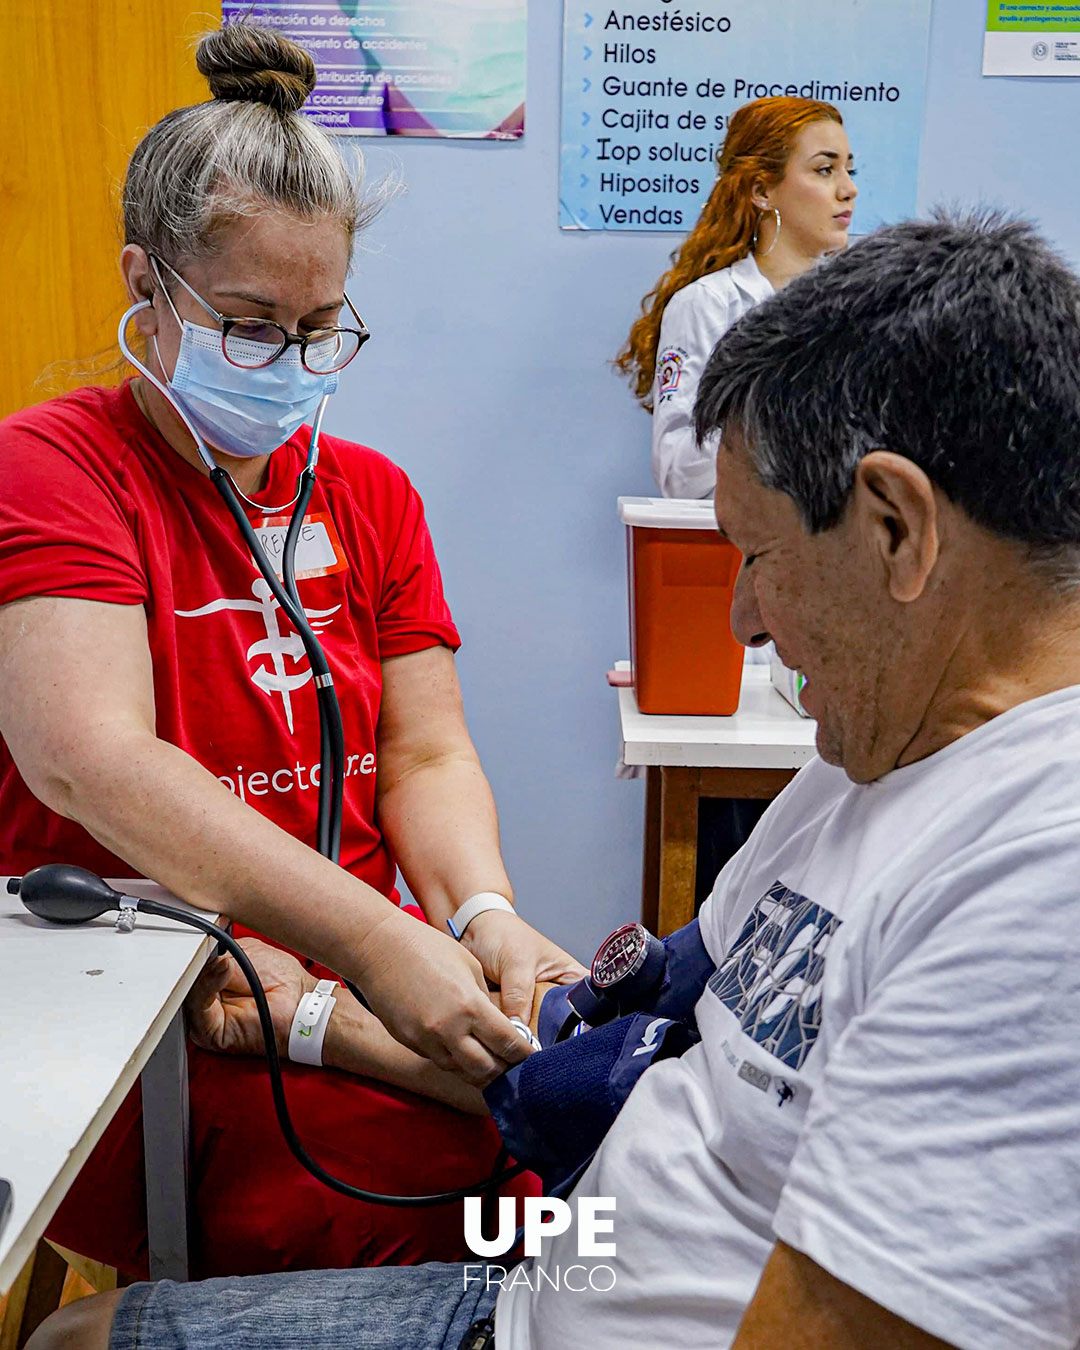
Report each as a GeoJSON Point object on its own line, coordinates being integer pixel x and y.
{"type": "Point", "coordinates": [274, 678]}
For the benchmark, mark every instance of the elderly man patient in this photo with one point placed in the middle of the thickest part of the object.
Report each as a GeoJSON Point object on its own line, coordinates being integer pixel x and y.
{"type": "Point", "coordinates": [877, 1141]}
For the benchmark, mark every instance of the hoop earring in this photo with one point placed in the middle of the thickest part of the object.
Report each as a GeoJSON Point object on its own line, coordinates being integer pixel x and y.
{"type": "Point", "coordinates": [772, 210]}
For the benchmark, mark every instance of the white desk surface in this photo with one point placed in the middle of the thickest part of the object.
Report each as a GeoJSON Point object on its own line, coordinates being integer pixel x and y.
{"type": "Point", "coordinates": [764, 733]}
{"type": "Point", "coordinates": [81, 1010]}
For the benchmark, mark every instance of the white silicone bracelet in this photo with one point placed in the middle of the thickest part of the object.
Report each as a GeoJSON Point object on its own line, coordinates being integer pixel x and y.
{"type": "Point", "coordinates": [309, 1023]}
{"type": "Point", "coordinates": [476, 904]}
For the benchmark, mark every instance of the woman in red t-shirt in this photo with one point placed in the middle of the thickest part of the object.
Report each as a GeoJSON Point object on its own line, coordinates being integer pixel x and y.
{"type": "Point", "coordinates": [159, 715]}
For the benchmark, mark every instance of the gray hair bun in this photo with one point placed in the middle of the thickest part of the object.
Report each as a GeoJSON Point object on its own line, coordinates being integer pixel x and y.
{"type": "Point", "coordinates": [248, 64]}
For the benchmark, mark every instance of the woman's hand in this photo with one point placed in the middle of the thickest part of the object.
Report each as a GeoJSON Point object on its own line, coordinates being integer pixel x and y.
{"type": "Point", "coordinates": [515, 957]}
{"type": "Point", "coordinates": [221, 1011]}
{"type": "Point", "coordinates": [431, 995]}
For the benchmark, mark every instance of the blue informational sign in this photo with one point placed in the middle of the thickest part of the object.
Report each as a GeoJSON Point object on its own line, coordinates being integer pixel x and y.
{"type": "Point", "coordinates": [650, 85]}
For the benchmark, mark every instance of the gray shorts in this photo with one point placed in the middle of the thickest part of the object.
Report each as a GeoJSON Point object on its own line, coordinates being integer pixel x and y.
{"type": "Point", "coordinates": [382, 1308]}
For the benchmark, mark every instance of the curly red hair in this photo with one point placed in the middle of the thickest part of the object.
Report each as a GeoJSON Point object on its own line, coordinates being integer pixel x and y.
{"type": "Point", "coordinates": [759, 141]}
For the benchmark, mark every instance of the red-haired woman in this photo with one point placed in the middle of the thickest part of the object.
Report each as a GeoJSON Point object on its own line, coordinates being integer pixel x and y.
{"type": "Point", "coordinates": [783, 199]}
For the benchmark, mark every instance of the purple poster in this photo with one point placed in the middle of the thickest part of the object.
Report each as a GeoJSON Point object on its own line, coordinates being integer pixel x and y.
{"type": "Point", "coordinates": [408, 67]}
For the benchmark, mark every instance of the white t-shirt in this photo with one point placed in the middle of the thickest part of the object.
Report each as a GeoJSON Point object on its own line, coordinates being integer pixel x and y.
{"type": "Point", "coordinates": [889, 1075]}
{"type": "Point", "coordinates": [694, 321]}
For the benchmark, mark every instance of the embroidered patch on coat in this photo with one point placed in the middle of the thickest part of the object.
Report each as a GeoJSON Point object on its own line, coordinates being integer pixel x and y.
{"type": "Point", "coordinates": [669, 370]}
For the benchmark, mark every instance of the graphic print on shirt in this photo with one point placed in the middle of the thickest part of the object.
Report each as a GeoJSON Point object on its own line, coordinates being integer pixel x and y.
{"type": "Point", "coordinates": [771, 976]}
{"type": "Point", "coordinates": [669, 371]}
{"type": "Point", "coordinates": [272, 679]}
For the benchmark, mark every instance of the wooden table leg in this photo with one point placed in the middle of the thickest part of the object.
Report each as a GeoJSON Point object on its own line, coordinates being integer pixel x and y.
{"type": "Point", "coordinates": [678, 847]}
{"type": "Point", "coordinates": [650, 871]}
{"type": "Point", "coordinates": [34, 1295]}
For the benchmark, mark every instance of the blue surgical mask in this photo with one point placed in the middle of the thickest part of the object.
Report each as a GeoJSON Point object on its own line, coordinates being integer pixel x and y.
{"type": "Point", "coordinates": [243, 412]}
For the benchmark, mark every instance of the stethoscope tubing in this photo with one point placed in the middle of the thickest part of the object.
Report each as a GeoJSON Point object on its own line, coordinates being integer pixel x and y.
{"type": "Point", "coordinates": [277, 1086]}
{"type": "Point", "coordinates": [331, 732]}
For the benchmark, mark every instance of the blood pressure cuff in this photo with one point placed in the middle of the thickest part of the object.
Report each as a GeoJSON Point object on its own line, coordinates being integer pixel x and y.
{"type": "Point", "coordinates": [685, 977]}
{"type": "Point", "coordinates": [555, 1107]}
{"type": "Point", "coordinates": [689, 966]}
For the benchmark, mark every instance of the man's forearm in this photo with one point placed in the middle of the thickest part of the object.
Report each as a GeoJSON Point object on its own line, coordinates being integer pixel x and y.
{"type": "Point", "coordinates": [170, 819]}
{"type": "Point", "coordinates": [440, 822]}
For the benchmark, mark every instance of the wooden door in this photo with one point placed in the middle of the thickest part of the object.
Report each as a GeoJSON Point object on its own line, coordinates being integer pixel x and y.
{"type": "Point", "coordinates": [83, 79]}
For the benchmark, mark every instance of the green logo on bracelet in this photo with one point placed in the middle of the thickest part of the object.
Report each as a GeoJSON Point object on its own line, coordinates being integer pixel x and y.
{"type": "Point", "coordinates": [304, 1031]}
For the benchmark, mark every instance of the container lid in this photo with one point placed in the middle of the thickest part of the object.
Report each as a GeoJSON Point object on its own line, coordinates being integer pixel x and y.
{"type": "Point", "coordinates": [668, 513]}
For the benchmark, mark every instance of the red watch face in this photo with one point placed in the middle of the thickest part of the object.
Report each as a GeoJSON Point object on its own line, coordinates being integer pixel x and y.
{"type": "Point", "coordinates": [620, 955]}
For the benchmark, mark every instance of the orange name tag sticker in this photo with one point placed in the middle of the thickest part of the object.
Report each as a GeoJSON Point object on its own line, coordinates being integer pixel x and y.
{"type": "Point", "coordinates": [318, 549]}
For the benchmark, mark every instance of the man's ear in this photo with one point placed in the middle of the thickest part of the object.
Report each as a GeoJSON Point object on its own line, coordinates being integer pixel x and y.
{"type": "Point", "coordinates": [139, 284]}
{"type": "Point", "coordinates": [898, 511]}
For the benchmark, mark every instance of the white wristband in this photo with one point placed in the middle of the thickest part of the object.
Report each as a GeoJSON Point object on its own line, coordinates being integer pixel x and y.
{"type": "Point", "coordinates": [309, 1023]}
{"type": "Point", "coordinates": [476, 904]}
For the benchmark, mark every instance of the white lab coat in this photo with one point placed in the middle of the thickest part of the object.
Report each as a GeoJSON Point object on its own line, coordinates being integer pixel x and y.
{"type": "Point", "coordinates": [695, 319]}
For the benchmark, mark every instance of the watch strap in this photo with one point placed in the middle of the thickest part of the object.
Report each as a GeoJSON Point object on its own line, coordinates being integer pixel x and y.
{"type": "Point", "coordinates": [476, 904]}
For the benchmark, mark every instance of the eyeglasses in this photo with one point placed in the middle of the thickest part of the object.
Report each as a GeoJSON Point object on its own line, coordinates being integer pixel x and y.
{"type": "Point", "coordinates": [252, 344]}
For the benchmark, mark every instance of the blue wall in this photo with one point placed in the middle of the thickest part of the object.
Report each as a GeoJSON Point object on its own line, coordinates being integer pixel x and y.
{"type": "Point", "coordinates": [1008, 142]}
{"type": "Point", "coordinates": [487, 379]}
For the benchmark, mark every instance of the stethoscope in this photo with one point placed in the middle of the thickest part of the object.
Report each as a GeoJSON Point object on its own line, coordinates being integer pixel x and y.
{"type": "Point", "coordinates": [283, 589]}
{"type": "Point", "coordinates": [64, 894]}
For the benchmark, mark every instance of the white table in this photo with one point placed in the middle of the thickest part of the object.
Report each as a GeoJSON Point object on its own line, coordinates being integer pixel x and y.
{"type": "Point", "coordinates": [83, 1011]}
{"type": "Point", "coordinates": [753, 753]}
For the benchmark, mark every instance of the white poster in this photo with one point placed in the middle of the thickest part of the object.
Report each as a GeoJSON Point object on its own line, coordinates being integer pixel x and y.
{"type": "Point", "coordinates": [1031, 39]}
